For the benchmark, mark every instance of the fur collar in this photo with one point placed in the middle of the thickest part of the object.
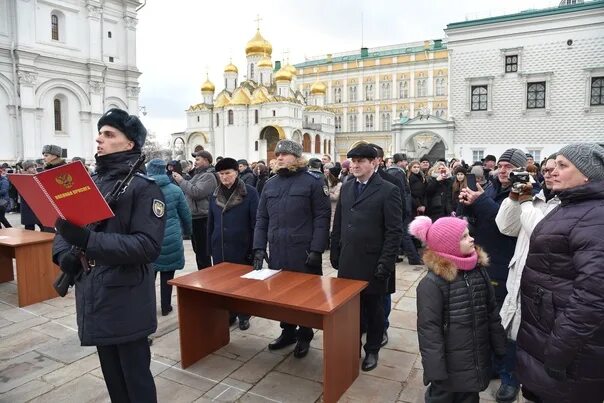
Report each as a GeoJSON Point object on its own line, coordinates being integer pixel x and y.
{"type": "Point", "coordinates": [299, 163]}
{"type": "Point", "coordinates": [236, 198]}
{"type": "Point", "coordinates": [445, 268]}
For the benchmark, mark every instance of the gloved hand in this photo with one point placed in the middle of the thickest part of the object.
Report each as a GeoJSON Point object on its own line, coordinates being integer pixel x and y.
{"type": "Point", "coordinates": [314, 259]}
{"type": "Point", "coordinates": [259, 257]}
{"type": "Point", "coordinates": [70, 264]}
{"type": "Point", "coordinates": [335, 263]}
{"type": "Point", "coordinates": [76, 236]}
{"type": "Point", "coordinates": [382, 273]}
{"type": "Point", "coordinates": [556, 373]}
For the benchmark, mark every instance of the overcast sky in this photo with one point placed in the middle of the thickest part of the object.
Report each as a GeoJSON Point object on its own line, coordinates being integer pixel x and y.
{"type": "Point", "coordinates": [178, 41]}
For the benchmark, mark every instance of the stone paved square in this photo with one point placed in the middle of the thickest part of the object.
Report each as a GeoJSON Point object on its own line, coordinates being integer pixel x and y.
{"type": "Point", "coordinates": [41, 358]}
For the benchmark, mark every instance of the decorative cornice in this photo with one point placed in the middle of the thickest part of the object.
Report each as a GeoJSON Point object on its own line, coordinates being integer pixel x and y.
{"type": "Point", "coordinates": [94, 11]}
{"type": "Point", "coordinates": [133, 91]}
{"type": "Point", "coordinates": [131, 22]}
{"type": "Point", "coordinates": [96, 87]}
{"type": "Point", "coordinates": [28, 78]}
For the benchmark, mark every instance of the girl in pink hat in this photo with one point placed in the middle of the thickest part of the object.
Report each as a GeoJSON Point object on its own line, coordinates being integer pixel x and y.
{"type": "Point", "coordinates": [458, 324]}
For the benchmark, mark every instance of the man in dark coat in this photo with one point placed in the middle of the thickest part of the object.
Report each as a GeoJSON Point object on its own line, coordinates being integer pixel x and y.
{"type": "Point", "coordinates": [482, 207]}
{"type": "Point", "coordinates": [366, 235]}
{"type": "Point", "coordinates": [28, 217]}
{"type": "Point", "coordinates": [231, 222]}
{"type": "Point", "coordinates": [246, 174]}
{"type": "Point", "coordinates": [293, 217]}
{"type": "Point", "coordinates": [115, 292]}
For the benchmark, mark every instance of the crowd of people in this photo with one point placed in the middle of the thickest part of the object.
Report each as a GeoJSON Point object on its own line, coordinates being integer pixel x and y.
{"type": "Point", "coordinates": [514, 252]}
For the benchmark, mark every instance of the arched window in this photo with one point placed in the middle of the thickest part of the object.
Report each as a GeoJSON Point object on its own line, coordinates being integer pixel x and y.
{"type": "Point", "coordinates": [440, 86]}
{"type": "Point", "coordinates": [317, 144]}
{"type": "Point", "coordinates": [252, 71]}
{"type": "Point", "coordinates": [217, 120]}
{"type": "Point", "coordinates": [58, 115]}
{"type": "Point", "coordinates": [256, 116]}
{"type": "Point", "coordinates": [329, 147]}
{"type": "Point", "coordinates": [403, 89]}
{"type": "Point", "coordinates": [306, 143]}
{"type": "Point", "coordinates": [54, 26]}
{"type": "Point", "coordinates": [231, 116]}
{"type": "Point", "coordinates": [421, 88]}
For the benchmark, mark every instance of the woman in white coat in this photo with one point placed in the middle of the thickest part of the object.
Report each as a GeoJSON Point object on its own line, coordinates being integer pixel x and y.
{"type": "Point", "coordinates": [517, 217]}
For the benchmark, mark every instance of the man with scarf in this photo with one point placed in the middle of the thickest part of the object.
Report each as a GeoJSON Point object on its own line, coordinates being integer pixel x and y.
{"type": "Point", "coordinates": [293, 217]}
{"type": "Point", "coordinates": [115, 291]}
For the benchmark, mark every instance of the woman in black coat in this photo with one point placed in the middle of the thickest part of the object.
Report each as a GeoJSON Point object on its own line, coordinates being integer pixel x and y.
{"type": "Point", "coordinates": [439, 195]}
{"type": "Point", "coordinates": [417, 184]}
{"type": "Point", "coordinates": [560, 356]}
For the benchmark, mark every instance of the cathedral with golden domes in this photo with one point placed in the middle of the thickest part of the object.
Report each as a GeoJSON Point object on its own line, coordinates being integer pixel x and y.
{"type": "Point", "coordinates": [246, 119]}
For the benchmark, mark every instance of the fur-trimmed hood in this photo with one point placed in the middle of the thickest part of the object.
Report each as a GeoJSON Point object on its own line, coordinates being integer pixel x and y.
{"type": "Point", "coordinates": [445, 268]}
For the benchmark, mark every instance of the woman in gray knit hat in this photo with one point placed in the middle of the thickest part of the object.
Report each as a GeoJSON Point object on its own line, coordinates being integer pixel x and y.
{"type": "Point", "coordinates": [561, 337]}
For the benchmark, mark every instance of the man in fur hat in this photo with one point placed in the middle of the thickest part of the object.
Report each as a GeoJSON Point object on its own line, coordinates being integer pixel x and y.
{"type": "Point", "coordinates": [52, 156]}
{"type": "Point", "coordinates": [293, 218]}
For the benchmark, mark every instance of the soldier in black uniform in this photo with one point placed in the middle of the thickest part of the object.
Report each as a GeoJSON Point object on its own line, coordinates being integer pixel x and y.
{"type": "Point", "coordinates": [293, 218]}
{"type": "Point", "coordinates": [115, 293]}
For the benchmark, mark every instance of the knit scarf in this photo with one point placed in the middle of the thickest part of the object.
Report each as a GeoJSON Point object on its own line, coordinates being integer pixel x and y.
{"type": "Point", "coordinates": [465, 263]}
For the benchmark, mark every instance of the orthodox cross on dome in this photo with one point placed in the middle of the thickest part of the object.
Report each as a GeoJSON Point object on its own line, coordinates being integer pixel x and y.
{"type": "Point", "coordinates": [257, 20]}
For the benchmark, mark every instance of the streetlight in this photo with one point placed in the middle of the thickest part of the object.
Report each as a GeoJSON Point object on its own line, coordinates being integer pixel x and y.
{"type": "Point", "coordinates": [143, 110]}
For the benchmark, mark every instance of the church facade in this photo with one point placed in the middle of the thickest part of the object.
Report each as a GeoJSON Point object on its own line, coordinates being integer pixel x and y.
{"type": "Point", "coordinates": [62, 64]}
{"type": "Point", "coordinates": [246, 119]}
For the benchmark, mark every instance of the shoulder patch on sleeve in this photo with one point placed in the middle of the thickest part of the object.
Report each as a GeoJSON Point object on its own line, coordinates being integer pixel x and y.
{"type": "Point", "coordinates": [159, 208]}
{"type": "Point", "coordinates": [313, 174]}
{"type": "Point", "coordinates": [141, 175]}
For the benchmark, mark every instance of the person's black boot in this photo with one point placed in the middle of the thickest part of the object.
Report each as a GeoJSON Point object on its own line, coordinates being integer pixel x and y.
{"type": "Point", "coordinates": [282, 342]}
{"type": "Point", "coordinates": [301, 348]}
{"type": "Point", "coordinates": [370, 362]}
{"type": "Point", "coordinates": [506, 393]}
{"type": "Point", "coordinates": [384, 339]}
{"type": "Point", "coordinates": [244, 324]}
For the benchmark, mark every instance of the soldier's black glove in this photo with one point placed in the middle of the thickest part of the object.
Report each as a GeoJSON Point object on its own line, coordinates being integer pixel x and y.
{"type": "Point", "coordinates": [259, 257]}
{"type": "Point", "coordinates": [76, 236]}
{"type": "Point", "coordinates": [381, 273]}
{"type": "Point", "coordinates": [556, 373]}
{"type": "Point", "coordinates": [70, 264]}
{"type": "Point", "coordinates": [314, 259]}
{"type": "Point", "coordinates": [335, 263]}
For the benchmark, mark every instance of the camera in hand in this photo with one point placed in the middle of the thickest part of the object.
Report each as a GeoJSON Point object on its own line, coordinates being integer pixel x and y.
{"type": "Point", "coordinates": [519, 178]}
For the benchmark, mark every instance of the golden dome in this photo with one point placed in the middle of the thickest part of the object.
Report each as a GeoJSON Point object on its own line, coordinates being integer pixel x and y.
{"type": "Point", "coordinates": [258, 46]}
{"type": "Point", "coordinates": [291, 69]}
{"type": "Point", "coordinates": [318, 88]}
{"type": "Point", "coordinates": [265, 62]}
{"type": "Point", "coordinates": [241, 96]}
{"type": "Point", "coordinates": [231, 68]}
{"type": "Point", "coordinates": [260, 96]}
{"type": "Point", "coordinates": [208, 86]}
{"type": "Point", "coordinates": [222, 100]}
{"type": "Point", "coordinates": [283, 75]}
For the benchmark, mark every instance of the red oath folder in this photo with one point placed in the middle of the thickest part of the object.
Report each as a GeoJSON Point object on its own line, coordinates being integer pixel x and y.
{"type": "Point", "coordinates": [66, 191]}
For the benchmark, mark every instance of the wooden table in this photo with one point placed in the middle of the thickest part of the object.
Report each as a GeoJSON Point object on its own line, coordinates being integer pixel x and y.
{"type": "Point", "coordinates": [35, 270]}
{"type": "Point", "coordinates": [205, 298]}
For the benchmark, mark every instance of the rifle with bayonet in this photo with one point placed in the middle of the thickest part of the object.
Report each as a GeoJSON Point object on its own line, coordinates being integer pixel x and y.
{"type": "Point", "coordinates": [64, 280]}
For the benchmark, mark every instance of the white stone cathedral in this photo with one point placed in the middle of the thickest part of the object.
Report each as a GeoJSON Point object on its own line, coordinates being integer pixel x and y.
{"type": "Point", "coordinates": [246, 119]}
{"type": "Point", "coordinates": [62, 64]}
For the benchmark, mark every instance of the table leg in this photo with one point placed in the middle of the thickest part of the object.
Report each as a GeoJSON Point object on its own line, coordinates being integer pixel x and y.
{"type": "Point", "coordinates": [6, 264]}
{"type": "Point", "coordinates": [35, 273]}
{"type": "Point", "coordinates": [203, 325]}
{"type": "Point", "coordinates": [341, 338]}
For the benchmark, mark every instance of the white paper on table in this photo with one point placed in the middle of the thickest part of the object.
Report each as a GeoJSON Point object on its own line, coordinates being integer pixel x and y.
{"type": "Point", "coordinates": [260, 274]}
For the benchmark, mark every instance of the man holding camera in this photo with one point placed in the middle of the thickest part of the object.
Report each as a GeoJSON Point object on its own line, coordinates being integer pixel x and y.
{"type": "Point", "coordinates": [482, 207]}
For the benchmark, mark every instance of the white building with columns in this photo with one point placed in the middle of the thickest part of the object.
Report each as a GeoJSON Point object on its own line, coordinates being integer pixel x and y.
{"type": "Point", "coordinates": [62, 64]}
{"type": "Point", "coordinates": [533, 80]}
{"type": "Point", "coordinates": [246, 119]}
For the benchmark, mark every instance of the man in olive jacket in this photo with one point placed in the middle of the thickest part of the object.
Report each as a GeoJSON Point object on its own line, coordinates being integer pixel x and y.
{"type": "Point", "coordinates": [367, 231]}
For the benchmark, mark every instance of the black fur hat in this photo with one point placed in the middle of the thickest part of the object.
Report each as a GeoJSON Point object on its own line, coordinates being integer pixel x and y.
{"type": "Point", "coordinates": [227, 163]}
{"type": "Point", "coordinates": [130, 125]}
